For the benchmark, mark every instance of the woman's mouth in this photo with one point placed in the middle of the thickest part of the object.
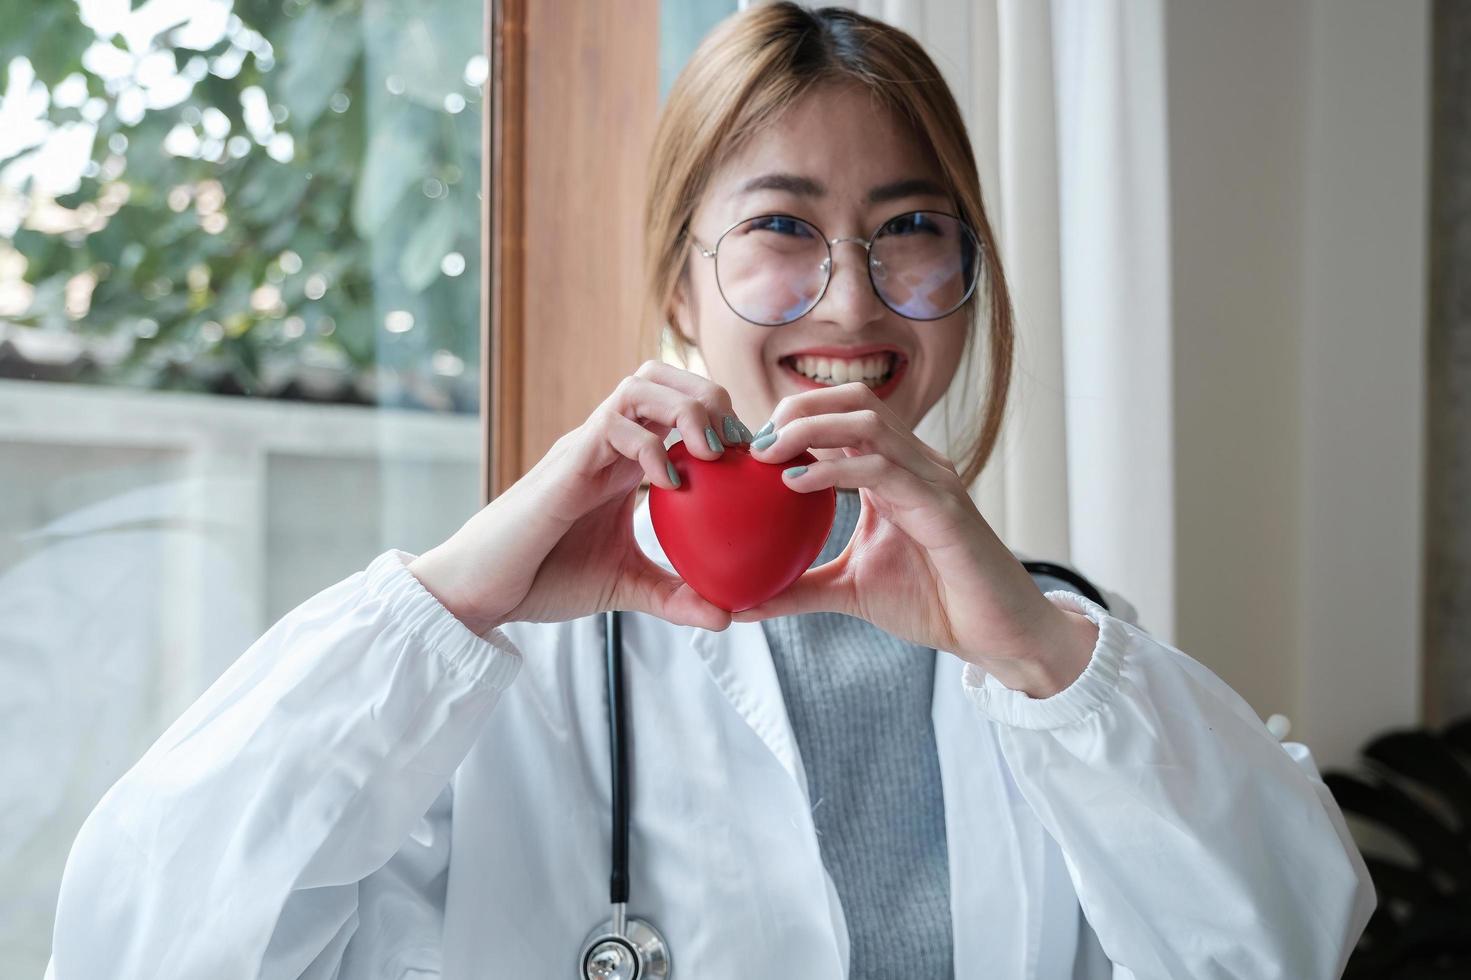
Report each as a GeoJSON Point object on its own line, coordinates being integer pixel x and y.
{"type": "Point", "coordinates": [880, 370]}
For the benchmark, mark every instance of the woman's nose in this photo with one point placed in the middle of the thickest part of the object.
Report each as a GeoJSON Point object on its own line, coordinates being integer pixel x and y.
{"type": "Point", "coordinates": [850, 299]}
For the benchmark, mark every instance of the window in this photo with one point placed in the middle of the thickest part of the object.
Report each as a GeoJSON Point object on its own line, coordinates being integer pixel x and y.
{"type": "Point", "coordinates": [239, 357]}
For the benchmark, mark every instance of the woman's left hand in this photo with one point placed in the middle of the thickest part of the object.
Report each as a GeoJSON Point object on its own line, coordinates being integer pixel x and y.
{"type": "Point", "coordinates": [922, 564]}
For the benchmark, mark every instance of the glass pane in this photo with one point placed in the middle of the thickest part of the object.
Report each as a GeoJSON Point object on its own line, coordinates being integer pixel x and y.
{"type": "Point", "coordinates": [683, 24]}
{"type": "Point", "coordinates": [239, 357]}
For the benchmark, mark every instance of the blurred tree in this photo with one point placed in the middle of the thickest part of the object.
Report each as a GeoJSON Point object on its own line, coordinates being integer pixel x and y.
{"type": "Point", "coordinates": [285, 207]}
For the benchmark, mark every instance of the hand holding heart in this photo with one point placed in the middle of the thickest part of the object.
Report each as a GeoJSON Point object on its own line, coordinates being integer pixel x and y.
{"type": "Point", "coordinates": [558, 544]}
{"type": "Point", "coordinates": [922, 564]}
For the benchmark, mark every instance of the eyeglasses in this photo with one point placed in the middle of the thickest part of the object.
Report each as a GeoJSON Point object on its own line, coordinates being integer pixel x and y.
{"type": "Point", "coordinates": [774, 268]}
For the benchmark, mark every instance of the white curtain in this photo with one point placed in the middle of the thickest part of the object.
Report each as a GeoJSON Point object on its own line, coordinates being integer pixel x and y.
{"type": "Point", "coordinates": [1065, 103]}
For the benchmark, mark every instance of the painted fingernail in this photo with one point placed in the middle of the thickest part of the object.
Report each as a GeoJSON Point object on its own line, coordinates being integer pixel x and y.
{"type": "Point", "coordinates": [713, 440]}
{"type": "Point", "coordinates": [792, 472]}
{"type": "Point", "coordinates": [761, 442]}
{"type": "Point", "coordinates": [768, 427]}
{"type": "Point", "coordinates": [732, 430]}
{"type": "Point", "coordinates": [673, 476]}
{"type": "Point", "coordinates": [745, 432]}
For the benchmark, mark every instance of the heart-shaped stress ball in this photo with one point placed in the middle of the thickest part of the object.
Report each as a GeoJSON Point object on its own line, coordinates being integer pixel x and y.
{"type": "Point", "coordinates": [734, 531]}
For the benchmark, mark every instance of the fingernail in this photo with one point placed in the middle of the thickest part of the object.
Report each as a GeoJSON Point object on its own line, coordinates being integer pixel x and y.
{"type": "Point", "coordinates": [732, 433]}
{"type": "Point", "coordinates": [713, 440]}
{"type": "Point", "coordinates": [768, 427]}
{"type": "Point", "coordinates": [745, 432]}
{"type": "Point", "coordinates": [673, 476]}
{"type": "Point", "coordinates": [793, 472]}
{"type": "Point", "coordinates": [761, 442]}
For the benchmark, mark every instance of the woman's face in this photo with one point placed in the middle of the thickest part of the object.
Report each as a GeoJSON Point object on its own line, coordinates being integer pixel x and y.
{"type": "Point", "coordinates": [846, 166]}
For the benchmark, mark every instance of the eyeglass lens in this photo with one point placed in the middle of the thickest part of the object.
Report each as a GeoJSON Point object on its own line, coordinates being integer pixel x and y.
{"type": "Point", "coordinates": [773, 269]}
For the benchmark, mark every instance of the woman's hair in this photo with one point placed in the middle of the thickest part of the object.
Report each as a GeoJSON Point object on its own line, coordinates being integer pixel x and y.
{"type": "Point", "coordinates": [744, 74]}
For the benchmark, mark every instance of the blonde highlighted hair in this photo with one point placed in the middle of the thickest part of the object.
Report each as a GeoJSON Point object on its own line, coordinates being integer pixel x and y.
{"type": "Point", "coordinates": [750, 68]}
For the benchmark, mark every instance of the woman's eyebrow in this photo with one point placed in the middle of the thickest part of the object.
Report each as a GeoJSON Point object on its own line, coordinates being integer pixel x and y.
{"type": "Point", "coordinates": [913, 187]}
{"type": "Point", "coordinates": [791, 183]}
{"type": "Point", "coordinates": [807, 187]}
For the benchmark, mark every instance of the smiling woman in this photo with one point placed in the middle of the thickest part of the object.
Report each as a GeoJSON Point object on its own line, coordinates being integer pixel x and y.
{"type": "Point", "coordinates": [825, 145]}
{"type": "Point", "coordinates": [910, 761]}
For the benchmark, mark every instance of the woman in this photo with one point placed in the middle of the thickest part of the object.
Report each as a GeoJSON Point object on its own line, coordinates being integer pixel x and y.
{"type": "Point", "coordinates": [912, 762]}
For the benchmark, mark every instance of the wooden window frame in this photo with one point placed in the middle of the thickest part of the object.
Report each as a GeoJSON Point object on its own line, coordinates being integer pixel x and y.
{"type": "Point", "coordinates": [572, 104]}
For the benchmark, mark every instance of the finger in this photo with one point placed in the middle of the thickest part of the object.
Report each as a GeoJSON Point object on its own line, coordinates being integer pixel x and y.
{"type": "Point", "coordinates": [820, 589]}
{"type": "Point", "coordinates": [657, 592]}
{"type": "Point", "coordinates": [849, 397]}
{"type": "Point", "coordinates": [852, 396]}
{"type": "Point", "coordinates": [896, 485]}
{"type": "Point", "coordinates": [685, 607]}
{"type": "Point", "coordinates": [715, 398]}
{"type": "Point", "coordinates": [935, 456]}
{"type": "Point", "coordinates": [632, 441]}
{"type": "Point", "coordinates": [640, 399]}
{"type": "Point", "coordinates": [864, 431]}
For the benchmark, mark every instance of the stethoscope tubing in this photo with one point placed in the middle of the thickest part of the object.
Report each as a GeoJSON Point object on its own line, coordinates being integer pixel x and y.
{"type": "Point", "coordinates": [618, 761]}
{"type": "Point", "coordinates": [1062, 573]}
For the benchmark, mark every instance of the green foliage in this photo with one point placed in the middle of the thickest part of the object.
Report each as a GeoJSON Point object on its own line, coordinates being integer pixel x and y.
{"type": "Point", "coordinates": [240, 272]}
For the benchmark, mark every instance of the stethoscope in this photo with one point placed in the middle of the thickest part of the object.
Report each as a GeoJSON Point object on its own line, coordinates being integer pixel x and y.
{"type": "Point", "coordinates": [624, 948]}
{"type": "Point", "coordinates": [621, 948]}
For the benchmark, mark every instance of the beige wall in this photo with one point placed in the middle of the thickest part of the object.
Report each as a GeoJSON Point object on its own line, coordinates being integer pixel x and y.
{"type": "Point", "coordinates": [1298, 172]}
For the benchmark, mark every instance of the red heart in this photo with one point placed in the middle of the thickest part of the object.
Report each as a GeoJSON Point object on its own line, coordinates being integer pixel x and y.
{"type": "Point", "coordinates": [734, 531]}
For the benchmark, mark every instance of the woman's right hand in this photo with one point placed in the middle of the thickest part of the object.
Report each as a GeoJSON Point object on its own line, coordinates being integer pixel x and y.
{"type": "Point", "coordinates": [559, 543]}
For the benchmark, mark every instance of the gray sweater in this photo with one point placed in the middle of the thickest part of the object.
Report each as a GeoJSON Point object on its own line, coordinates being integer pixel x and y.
{"type": "Point", "coordinates": [859, 701]}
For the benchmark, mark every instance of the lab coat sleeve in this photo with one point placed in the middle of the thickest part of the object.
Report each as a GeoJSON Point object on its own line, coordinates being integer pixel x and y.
{"type": "Point", "coordinates": [1199, 846]}
{"type": "Point", "coordinates": [310, 775]}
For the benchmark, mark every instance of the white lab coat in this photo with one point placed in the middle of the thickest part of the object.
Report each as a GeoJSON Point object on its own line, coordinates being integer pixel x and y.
{"type": "Point", "coordinates": [372, 790]}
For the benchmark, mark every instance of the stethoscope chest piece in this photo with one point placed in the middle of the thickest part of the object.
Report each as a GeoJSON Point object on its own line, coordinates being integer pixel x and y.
{"type": "Point", "coordinates": [636, 952]}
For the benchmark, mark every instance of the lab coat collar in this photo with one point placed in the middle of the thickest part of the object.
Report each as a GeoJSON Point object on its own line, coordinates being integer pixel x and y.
{"type": "Point", "coordinates": [738, 659]}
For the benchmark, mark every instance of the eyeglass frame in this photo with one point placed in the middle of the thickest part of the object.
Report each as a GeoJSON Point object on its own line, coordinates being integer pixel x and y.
{"type": "Point", "coordinates": [867, 244]}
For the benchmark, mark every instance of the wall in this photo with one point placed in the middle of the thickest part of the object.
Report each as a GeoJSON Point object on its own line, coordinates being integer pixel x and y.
{"type": "Point", "coordinates": [1363, 387]}
{"type": "Point", "coordinates": [1296, 144]}
{"type": "Point", "coordinates": [1448, 558]}
{"type": "Point", "coordinates": [1236, 117]}
{"type": "Point", "coordinates": [1298, 180]}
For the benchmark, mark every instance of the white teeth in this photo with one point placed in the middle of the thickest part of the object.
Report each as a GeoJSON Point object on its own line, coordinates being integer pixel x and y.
{"type": "Point", "coordinates": [872, 370]}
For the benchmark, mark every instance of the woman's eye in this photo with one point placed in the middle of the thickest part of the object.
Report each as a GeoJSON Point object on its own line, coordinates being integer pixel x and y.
{"type": "Point", "coordinates": [908, 224]}
{"type": "Point", "coordinates": [781, 224]}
